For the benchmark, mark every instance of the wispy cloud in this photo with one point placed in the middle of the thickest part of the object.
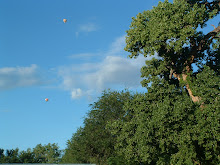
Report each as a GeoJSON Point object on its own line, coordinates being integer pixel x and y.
{"type": "Point", "coordinates": [86, 28]}
{"type": "Point", "coordinates": [113, 71]}
{"type": "Point", "coordinates": [115, 49]}
{"type": "Point", "coordinates": [12, 77]}
{"type": "Point", "coordinates": [89, 27]}
{"type": "Point", "coordinates": [84, 56]}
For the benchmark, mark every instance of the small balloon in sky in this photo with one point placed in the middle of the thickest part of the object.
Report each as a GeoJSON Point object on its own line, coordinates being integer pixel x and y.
{"type": "Point", "coordinates": [64, 20]}
{"type": "Point", "coordinates": [46, 99]}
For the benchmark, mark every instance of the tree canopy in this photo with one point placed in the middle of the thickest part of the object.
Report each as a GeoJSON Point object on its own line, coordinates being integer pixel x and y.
{"type": "Point", "coordinates": [94, 143]}
{"type": "Point", "coordinates": [177, 121]}
{"type": "Point", "coordinates": [170, 30]}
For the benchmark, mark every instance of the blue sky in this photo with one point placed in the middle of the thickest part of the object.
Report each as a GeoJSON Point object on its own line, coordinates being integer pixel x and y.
{"type": "Point", "coordinates": [71, 64]}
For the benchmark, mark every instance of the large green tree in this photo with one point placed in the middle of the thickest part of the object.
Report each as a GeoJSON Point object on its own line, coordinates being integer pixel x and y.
{"type": "Point", "coordinates": [94, 143]}
{"type": "Point", "coordinates": [171, 31]}
{"type": "Point", "coordinates": [177, 121]}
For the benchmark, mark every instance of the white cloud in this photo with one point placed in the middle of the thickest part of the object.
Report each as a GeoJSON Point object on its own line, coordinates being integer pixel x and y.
{"type": "Point", "coordinates": [86, 28]}
{"type": "Point", "coordinates": [90, 27]}
{"type": "Point", "coordinates": [117, 47]}
{"type": "Point", "coordinates": [84, 56]}
{"type": "Point", "coordinates": [76, 93]}
{"type": "Point", "coordinates": [12, 77]}
{"type": "Point", "coordinates": [114, 71]}
{"type": "Point", "coordinates": [92, 78]}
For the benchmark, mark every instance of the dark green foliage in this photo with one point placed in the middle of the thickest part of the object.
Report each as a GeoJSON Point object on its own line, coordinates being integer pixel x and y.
{"type": "Point", "coordinates": [2, 155]}
{"type": "Point", "coordinates": [11, 156]}
{"type": "Point", "coordinates": [27, 156]}
{"type": "Point", "coordinates": [94, 143]}
{"type": "Point", "coordinates": [49, 153]}
{"type": "Point", "coordinates": [177, 121]}
{"type": "Point", "coordinates": [116, 160]}
{"type": "Point", "coordinates": [76, 151]}
{"type": "Point", "coordinates": [168, 128]}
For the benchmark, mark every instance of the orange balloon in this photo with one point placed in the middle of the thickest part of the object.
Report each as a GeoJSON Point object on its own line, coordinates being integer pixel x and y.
{"type": "Point", "coordinates": [46, 99]}
{"type": "Point", "coordinates": [64, 20]}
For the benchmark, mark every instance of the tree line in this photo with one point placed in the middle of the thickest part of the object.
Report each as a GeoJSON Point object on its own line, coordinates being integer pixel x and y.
{"type": "Point", "coordinates": [49, 153]}
{"type": "Point", "coordinates": [177, 120]}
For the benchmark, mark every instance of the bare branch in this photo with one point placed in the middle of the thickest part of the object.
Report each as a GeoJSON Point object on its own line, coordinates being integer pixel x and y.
{"type": "Point", "coordinates": [213, 26]}
{"type": "Point", "coordinates": [184, 76]}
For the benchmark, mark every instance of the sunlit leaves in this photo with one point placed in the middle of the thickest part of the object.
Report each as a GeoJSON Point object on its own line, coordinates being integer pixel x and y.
{"type": "Point", "coordinates": [150, 30]}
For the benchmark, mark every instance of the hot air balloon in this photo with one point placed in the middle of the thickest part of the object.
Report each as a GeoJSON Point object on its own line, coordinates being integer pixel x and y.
{"type": "Point", "coordinates": [64, 20]}
{"type": "Point", "coordinates": [46, 99]}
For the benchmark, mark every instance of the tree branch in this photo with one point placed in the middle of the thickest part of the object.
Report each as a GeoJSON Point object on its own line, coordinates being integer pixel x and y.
{"type": "Point", "coordinates": [212, 5]}
{"type": "Point", "coordinates": [194, 98]}
{"type": "Point", "coordinates": [211, 35]}
{"type": "Point", "coordinates": [200, 47]}
{"type": "Point", "coordinates": [209, 5]}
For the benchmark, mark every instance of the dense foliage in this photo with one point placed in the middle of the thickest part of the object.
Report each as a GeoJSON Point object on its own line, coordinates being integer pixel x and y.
{"type": "Point", "coordinates": [94, 143]}
{"type": "Point", "coordinates": [49, 153]}
{"type": "Point", "coordinates": [166, 127]}
{"type": "Point", "coordinates": [177, 121]}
